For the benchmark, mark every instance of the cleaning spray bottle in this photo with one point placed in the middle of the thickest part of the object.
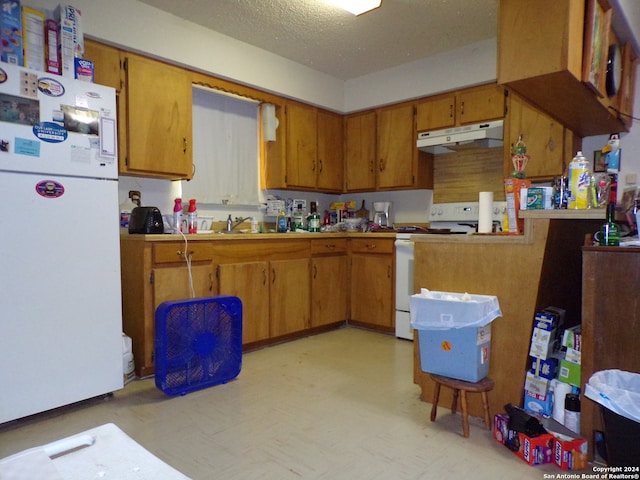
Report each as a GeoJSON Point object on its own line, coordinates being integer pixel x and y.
{"type": "Point", "coordinates": [177, 215]}
{"type": "Point", "coordinates": [192, 217]}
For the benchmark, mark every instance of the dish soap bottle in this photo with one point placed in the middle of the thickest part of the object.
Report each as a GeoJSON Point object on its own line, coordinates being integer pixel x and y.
{"type": "Point", "coordinates": [610, 231]}
{"type": "Point", "coordinates": [192, 217]}
{"type": "Point", "coordinates": [177, 215]}
{"type": "Point", "coordinates": [282, 222]}
{"type": "Point", "coordinates": [579, 180]}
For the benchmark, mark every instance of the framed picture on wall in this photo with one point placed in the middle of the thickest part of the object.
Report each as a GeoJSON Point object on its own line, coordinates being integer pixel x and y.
{"type": "Point", "coordinates": [596, 45]}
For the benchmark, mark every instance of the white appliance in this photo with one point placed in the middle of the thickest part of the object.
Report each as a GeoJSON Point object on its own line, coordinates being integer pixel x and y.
{"type": "Point", "coordinates": [404, 284]}
{"type": "Point", "coordinates": [444, 219]}
{"type": "Point", "coordinates": [61, 321]}
{"type": "Point", "coordinates": [479, 135]}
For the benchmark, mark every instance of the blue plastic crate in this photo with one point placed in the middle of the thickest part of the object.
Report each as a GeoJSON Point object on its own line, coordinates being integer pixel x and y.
{"type": "Point", "coordinates": [198, 343]}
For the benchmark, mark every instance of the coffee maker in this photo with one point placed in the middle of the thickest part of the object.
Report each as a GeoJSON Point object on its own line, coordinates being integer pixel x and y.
{"type": "Point", "coordinates": [381, 211]}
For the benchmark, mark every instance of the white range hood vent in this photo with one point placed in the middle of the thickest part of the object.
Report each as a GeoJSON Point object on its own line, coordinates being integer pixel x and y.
{"type": "Point", "coordinates": [480, 135]}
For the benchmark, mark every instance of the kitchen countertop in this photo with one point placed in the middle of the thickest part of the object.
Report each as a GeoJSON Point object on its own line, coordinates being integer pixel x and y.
{"type": "Point", "coordinates": [170, 237]}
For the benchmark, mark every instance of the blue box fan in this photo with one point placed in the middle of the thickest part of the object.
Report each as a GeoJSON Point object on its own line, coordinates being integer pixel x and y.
{"type": "Point", "coordinates": [198, 343]}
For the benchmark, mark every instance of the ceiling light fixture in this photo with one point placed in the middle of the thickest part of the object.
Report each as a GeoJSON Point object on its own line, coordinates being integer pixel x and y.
{"type": "Point", "coordinates": [357, 7]}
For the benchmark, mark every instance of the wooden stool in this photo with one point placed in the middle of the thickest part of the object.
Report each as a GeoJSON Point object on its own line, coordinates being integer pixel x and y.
{"type": "Point", "coordinates": [461, 387]}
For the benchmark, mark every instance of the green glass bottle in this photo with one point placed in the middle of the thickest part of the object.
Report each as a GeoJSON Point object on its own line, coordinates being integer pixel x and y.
{"type": "Point", "coordinates": [313, 221]}
{"type": "Point", "coordinates": [610, 231]}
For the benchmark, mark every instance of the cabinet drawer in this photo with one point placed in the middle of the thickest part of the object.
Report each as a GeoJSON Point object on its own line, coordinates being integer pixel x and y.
{"type": "Point", "coordinates": [329, 245]}
{"type": "Point", "coordinates": [373, 245]}
{"type": "Point", "coordinates": [174, 252]}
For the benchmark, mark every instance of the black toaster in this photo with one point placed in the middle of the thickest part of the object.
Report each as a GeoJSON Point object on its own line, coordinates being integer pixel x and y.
{"type": "Point", "coordinates": [146, 220]}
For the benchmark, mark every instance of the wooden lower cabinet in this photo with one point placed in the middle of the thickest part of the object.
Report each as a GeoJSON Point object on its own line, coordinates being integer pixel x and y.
{"type": "Point", "coordinates": [153, 273]}
{"type": "Point", "coordinates": [248, 281]}
{"type": "Point", "coordinates": [288, 287]}
{"type": "Point", "coordinates": [290, 296]}
{"type": "Point", "coordinates": [272, 280]}
{"type": "Point", "coordinates": [372, 283]}
{"type": "Point", "coordinates": [610, 321]}
{"type": "Point", "coordinates": [329, 282]}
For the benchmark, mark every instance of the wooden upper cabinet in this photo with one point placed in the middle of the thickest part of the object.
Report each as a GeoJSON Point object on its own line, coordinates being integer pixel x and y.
{"type": "Point", "coordinates": [480, 104]}
{"type": "Point", "coordinates": [543, 136]}
{"type": "Point", "coordinates": [541, 50]}
{"type": "Point", "coordinates": [314, 149]}
{"type": "Point", "coordinates": [106, 61]}
{"type": "Point", "coordinates": [330, 166]}
{"type": "Point", "coordinates": [158, 116]}
{"type": "Point", "coordinates": [397, 151]}
{"type": "Point", "coordinates": [401, 165]}
{"type": "Point", "coordinates": [472, 105]}
{"type": "Point", "coordinates": [436, 113]}
{"type": "Point", "coordinates": [360, 151]}
{"type": "Point", "coordinates": [302, 145]}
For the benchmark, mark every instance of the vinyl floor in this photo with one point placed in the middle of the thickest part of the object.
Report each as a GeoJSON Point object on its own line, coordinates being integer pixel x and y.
{"type": "Point", "coordinates": [338, 405]}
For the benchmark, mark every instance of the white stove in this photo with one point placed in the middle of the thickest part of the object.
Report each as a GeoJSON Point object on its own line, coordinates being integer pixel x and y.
{"type": "Point", "coordinates": [444, 218]}
{"type": "Point", "coordinates": [463, 217]}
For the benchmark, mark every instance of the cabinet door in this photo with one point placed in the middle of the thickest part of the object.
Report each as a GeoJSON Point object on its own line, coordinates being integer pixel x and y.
{"type": "Point", "coordinates": [480, 104]}
{"type": "Point", "coordinates": [436, 113]}
{"type": "Point", "coordinates": [330, 152]}
{"type": "Point", "coordinates": [543, 136]}
{"type": "Point", "coordinates": [372, 289]}
{"type": "Point", "coordinates": [172, 283]}
{"type": "Point", "coordinates": [249, 282]}
{"type": "Point", "coordinates": [302, 146]}
{"type": "Point", "coordinates": [289, 295]}
{"type": "Point", "coordinates": [360, 151]}
{"type": "Point", "coordinates": [106, 62]}
{"type": "Point", "coordinates": [158, 100]}
{"type": "Point", "coordinates": [397, 151]}
{"type": "Point", "coordinates": [329, 293]}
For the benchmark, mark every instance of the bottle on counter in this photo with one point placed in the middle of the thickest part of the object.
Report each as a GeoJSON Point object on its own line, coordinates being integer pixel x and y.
{"type": "Point", "coordinates": [560, 193]}
{"type": "Point", "coordinates": [298, 218]}
{"type": "Point", "coordinates": [313, 221]}
{"type": "Point", "coordinates": [177, 216]}
{"type": "Point", "coordinates": [192, 217]}
{"type": "Point", "coordinates": [281, 223]}
{"type": "Point", "coordinates": [579, 182]}
{"type": "Point", "coordinates": [610, 231]}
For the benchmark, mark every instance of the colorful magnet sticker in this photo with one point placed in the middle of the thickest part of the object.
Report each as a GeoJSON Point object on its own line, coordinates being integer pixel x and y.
{"type": "Point", "coordinates": [24, 146]}
{"type": "Point", "coordinates": [50, 189]}
{"type": "Point", "coordinates": [3, 76]}
{"type": "Point", "coordinates": [50, 87]}
{"type": "Point", "coordinates": [50, 132]}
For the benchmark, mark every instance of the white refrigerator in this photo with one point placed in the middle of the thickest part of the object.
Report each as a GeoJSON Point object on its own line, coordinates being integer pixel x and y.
{"type": "Point", "coordinates": [60, 302]}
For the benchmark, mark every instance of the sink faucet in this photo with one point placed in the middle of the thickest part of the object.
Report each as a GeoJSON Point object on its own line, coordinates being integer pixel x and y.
{"type": "Point", "coordinates": [233, 224]}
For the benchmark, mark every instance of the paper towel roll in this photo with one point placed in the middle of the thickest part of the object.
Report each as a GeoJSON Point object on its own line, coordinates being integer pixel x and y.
{"type": "Point", "coordinates": [485, 212]}
{"type": "Point", "coordinates": [560, 390]}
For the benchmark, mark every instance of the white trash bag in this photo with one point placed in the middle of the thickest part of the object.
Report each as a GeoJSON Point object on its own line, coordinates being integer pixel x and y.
{"type": "Point", "coordinates": [617, 390]}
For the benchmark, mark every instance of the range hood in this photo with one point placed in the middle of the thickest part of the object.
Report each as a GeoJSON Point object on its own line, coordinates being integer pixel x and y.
{"type": "Point", "coordinates": [479, 135]}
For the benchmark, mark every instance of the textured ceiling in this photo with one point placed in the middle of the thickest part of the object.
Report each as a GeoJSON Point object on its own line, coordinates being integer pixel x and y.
{"type": "Point", "coordinates": [318, 34]}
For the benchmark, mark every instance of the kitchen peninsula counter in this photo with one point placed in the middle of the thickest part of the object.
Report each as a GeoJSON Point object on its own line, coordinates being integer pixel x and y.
{"type": "Point", "coordinates": [526, 272]}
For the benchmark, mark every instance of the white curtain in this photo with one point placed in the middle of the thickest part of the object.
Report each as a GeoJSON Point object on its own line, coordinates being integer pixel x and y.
{"type": "Point", "coordinates": [225, 149]}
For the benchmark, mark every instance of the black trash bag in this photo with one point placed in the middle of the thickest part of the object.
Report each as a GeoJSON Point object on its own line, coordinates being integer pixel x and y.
{"type": "Point", "coordinates": [521, 421]}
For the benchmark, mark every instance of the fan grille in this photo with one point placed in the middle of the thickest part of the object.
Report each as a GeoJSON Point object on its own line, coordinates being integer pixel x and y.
{"type": "Point", "coordinates": [198, 343]}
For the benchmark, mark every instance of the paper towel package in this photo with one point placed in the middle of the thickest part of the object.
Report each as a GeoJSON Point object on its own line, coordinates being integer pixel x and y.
{"type": "Point", "coordinates": [454, 333]}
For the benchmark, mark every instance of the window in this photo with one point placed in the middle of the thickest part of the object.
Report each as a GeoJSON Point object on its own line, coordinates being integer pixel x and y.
{"type": "Point", "coordinates": [225, 149]}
